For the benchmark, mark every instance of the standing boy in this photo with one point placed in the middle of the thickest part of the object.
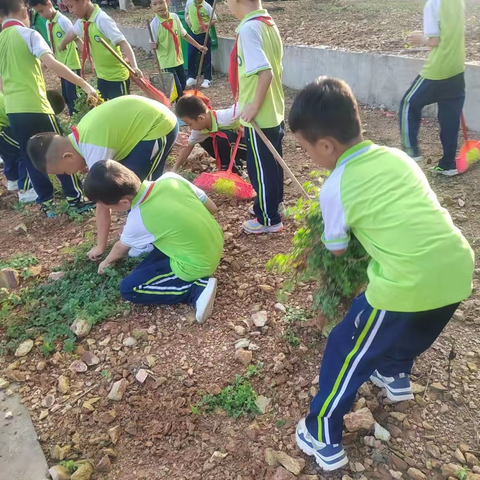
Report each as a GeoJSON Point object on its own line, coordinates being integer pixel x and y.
{"type": "Point", "coordinates": [197, 16]}
{"type": "Point", "coordinates": [58, 25]}
{"type": "Point", "coordinates": [256, 76]}
{"type": "Point", "coordinates": [94, 24]}
{"type": "Point", "coordinates": [421, 267]}
{"type": "Point", "coordinates": [215, 131]}
{"type": "Point", "coordinates": [22, 52]}
{"type": "Point", "coordinates": [174, 216]}
{"type": "Point", "coordinates": [168, 31]}
{"type": "Point", "coordinates": [442, 81]}
{"type": "Point", "coordinates": [133, 130]}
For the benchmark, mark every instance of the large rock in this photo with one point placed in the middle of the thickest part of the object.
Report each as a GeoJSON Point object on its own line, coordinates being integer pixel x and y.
{"type": "Point", "coordinates": [270, 457]}
{"type": "Point", "coordinates": [81, 328]}
{"type": "Point", "coordinates": [416, 474]}
{"type": "Point", "coordinates": [9, 278]}
{"type": "Point", "coordinates": [294, 465]}
{"type": "Point", "coordinates": [24, 348]}
{"type": "Point", "coordinates": [472, 460]}
{"type": "Point", "coordinates": [282, 474]}
{"type": "Point", "coordinates": [84, 472]}
{"type": "Point", "coordinates": [118, 390]}
{"type": "Point", "coordinates": [243, 356]}
{"type": "Point", "coordinates": [260, 319]}
{"type": "Point", "coordinates": [104, 465]}
{"type": "Point", "coordinates": [432, 450]}
{"type": "Point", "coordinates": [4, 384]}
{"type": "Point", "coordinates": [59, 473]}
{"type": "Point", "coordinates": [381, 433]}
{"type": "Point", "coordinates": [450, 469]}
{"type": "Point", "coordinates": [360, 420]}
{"type": "Point", "coordinates": [60, 453]}
{"type": "Point", "coordinates": [90, 359]}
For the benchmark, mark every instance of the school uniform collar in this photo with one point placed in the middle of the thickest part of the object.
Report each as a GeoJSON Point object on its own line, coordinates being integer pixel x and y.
{"type": "Point", "coordinates": [143, 193]}
{"type": "Point", "coordinates": [355, 151]}
{"type": "Point", "coordinates": [164, 19]}
{"type": "Point", "coordinates": [215, 127]}
{"type": "Point", "coordinates": [94, 15]}
{"type": "Point", "coordinates": [256, 13]}
{"type": "Point", "coordinates": [74, 141]}
{"type": "Point", "coordinates": [12, 20]}
{"type": "Point", "coordinates": [55, 17]}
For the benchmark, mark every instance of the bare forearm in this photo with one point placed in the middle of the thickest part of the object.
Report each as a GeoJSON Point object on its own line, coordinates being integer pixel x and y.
{"type": "Point", "coordinates": [182, 157]}
{"type": "Point", "coordinates": [128, 53]}
{"type": "Point", "coordinates": [192, 42]}
{"type": "Point", "coordinates": [79, 43]}
{"type": "Point", "coordinates": [64, 72]}
{"type": "Point", "coordinates": [265, 78]}
{"type": "Point", "coordinates": [210, 206]}
{"type": "Point", "coordinates": [104, 220]}
{"type": "Point", "coordinates": [69, 37]}
{"type": "Point", "coordinates": [118, 251]}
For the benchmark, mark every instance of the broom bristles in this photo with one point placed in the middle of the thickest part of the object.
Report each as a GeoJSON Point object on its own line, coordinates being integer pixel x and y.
{"type": "Point", "coordinates": [225, 183]}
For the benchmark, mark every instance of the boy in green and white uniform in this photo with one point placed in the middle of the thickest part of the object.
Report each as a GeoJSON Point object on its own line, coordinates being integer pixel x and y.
{"type": "Point", "coordinates": [133, 130]}
{"type": "Point", "coordinates": [256, 76]}
{"type": "Point", "coordinates": [175, 218]}
{"type": "Point", "coordinates": [113, 77]}
{"type": "Point", "coordinates": [168, 31]}
{"type": "Point", "coordinates": [442, 81]}
{"type": "Point", "coordinates": [58, 25]}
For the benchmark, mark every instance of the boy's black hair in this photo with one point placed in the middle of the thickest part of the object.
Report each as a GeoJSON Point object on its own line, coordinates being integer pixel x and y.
{"type": "Point", "coordinates": [37, 148]}
{"type": "Point", "coordinates": [326, 108]}
{"type": "Point", "coordinates": [34, 3]}
{"type": "Point", "coordinates": [8, 7]}
{"type": "Point", "coordinates": [56, 101]}
{"type": "Point", "coordinates": [190, 106]}
{"type": "Point", "coordinates": [109, 181]}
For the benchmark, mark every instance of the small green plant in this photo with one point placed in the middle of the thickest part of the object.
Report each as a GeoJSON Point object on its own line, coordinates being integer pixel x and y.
{"type": "Point", "coordinates": [69, 465]}
{"type": "Point", "coordinates": [47, 349]}
{"type": "Point", "coordinates": [291, 338]}
{"type": "Point", "coordinates": [21, 263]}
{"type": "Point", "coordinates": [253, 370]}
{"type": "Point", "coordinates": [462, 474]}
{"type": "Point", "coordinates": [195, 410]}
{"type": "Point", "coordinates": [337, 278]}
{"type": "Point", "coordinates": [188, 175]}
{"type": "Point", "coordinates": [82, 106]}
{"type": "Point", "coordinates": [280, 423]}
{"type": "Point", "coordinates": [20, 207]}
{"type": "Point", "coordinates": [63, 208]}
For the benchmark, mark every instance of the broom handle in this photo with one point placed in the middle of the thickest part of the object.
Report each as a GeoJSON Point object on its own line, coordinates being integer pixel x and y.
{"type": "Point", "coordinates": [118, 57]}
{"type": "Point", "coordinates": [156, 57]}
{"type": "Point", "coordinates": [234, 153]}
{"type": "Point", "coordinates": [207, 34]}
{"type": "Point", "coordinates": [464, 127]}
{"type": "Point", "coordinates": [280, 160]}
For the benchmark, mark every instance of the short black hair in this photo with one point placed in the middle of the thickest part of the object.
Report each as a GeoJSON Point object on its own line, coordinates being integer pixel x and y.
{"type": "Point", "coordinates": [37, 149]}
{"type": "Point", "coordinates": [190, 106]}
{"type": "Point", "coordinates": [326, 108]}
{"type": "Point", "coordinates": [34, 3]}
{"type": "Point", "coordinates": [7, 7]}
{"type": "Point", "coordinates": [56, 101]}
{"type": "Point", "coordinates": [109, 181]}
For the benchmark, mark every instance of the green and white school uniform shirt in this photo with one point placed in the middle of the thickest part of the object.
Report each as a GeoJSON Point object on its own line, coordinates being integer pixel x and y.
{"type": "Point", "coordinates": [57, 29]}
{"type": "Point", "coordinates": [204, 10]}
{"type": "Point", "coordinates": [260, 48]}
{"type": "Point", "coordinates": [167, 54]}
{"type": "Point", "coordinates": [227, 119]}
{"type": "Point", "coordinates": [23, 84]}
{"type": "Point", "coordinates": [445, 19]}
{"type": "Point", "coordinates": [113, 129]}
{"type": "Point", "coordinates": [4, 122]}
{"type": "Point", "coordinates": [103, 26]}
{"type": "Point", "coordinates": [170, 214]}
{"type": "Point", "coordinates": [420, 260]}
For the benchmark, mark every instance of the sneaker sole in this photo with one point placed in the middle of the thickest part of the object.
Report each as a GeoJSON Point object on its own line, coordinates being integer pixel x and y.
{"type": "Point", "coordinates": [263, 230]}
{"type": "Point", "coordinates": [390, 395]}
{"type": "Point", "coordinates": [328, 467]}
{"type": "Point", "coordinates": [209, 292]}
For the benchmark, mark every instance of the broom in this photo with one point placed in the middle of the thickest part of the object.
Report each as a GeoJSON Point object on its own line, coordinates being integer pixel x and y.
{"type": "Point", "coordinates": [280, 160]}
{"type": "Point", "coordinates": [226, 182]}
{"type": "Point", "coordinates": [470, 152]}
{"type": "Point", "coordinates": [142, 83]}
{"type": "Point", "coordinates": [195, 92]}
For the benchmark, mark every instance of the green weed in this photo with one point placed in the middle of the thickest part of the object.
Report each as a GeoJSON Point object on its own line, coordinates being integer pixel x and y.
{"type": "Point", "coordinates": [69, 465]}
{"type": "Point", "coordinates": [291, 338]}
{"type": "Point", "coordinates": [63, 208]}
{"type": "Point", "coordinates": [280, 423]}
{"type": "Point", "coordinates": [20, 262]}
{"type": "Point", "coordinates": [20, 207]}
{"type": "Point", "coordinates": [462, 474]}
{"type": "Point", "coordinates": [47, 349]}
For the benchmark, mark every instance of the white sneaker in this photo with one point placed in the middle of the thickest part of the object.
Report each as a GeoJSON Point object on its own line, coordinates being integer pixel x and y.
{"type": "Point", "coordinates": [417, 159]}
{"type": "Point", "coordinates": [253, 226]}
{"type": "Point", "coordinates": [191, 82]}
{"type": "Point", "coordinates": [136, 252]}
{"type": "Point", "coordinates": [204, 304]}
{"type": "Point", "coordinates": [206, 84]}
{"type": "Point", "coordinates": [27, 196]}
{"type": "Point", "coordinates": [448, 173]}
{"type": "Point", "coordinates": [12, 185]}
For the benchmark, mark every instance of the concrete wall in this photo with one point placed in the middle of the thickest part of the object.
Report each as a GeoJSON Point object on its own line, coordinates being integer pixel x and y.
{"type": "Point", "coordinates": [375, 79]}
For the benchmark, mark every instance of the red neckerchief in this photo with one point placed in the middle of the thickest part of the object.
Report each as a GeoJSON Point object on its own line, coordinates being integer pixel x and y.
{"type": "Point", "coordinates": [199, 16]}
{"type": "Point", "coordinates": [213, 136]}
{"type": "Point", "coordinates": [149, 191]}
{"type": "Point", "coordinates": [76, 135]}
{"type": "Point", "coordinates": [233, 67]}
{"type": "Point", "coordinates": [86, 48]}
{"type": "Point", "coordinates": [13, 23]}
{"type": "Point", "coordinates": [168, 25]}
{"type": "Point", "coordinates": [50, 34]}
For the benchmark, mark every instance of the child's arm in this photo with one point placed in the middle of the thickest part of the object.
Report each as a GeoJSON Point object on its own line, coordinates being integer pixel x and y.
{"type": "Point", "coordinates": [210, 206]}
{"type": "Point", "coordinates": [250, 111]}
{"type": "Point", "coordinates": [118, 251]}
{"type": "Point", "coordinates": [430, 36]}
{"type": "Point", "coordinates": [194, 43]}
{"type": "Point", "coordinates": [130, 56]}
{"type": "Point", "coordinates": [71, 36]}
{"type": "Point", "coordinates": [182, 157]}
{"type": "Point", "coordinates": [79, 43]}
{"type": "Point", "coordinates": [104, 220]}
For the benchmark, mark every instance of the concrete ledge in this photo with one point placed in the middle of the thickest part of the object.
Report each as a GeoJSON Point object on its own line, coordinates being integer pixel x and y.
{"type": "Point", "coordinates": [375, 79]}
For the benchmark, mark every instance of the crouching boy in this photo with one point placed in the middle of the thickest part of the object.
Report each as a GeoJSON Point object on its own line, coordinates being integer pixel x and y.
{"type": "Point", "coordinates": [175, 218]}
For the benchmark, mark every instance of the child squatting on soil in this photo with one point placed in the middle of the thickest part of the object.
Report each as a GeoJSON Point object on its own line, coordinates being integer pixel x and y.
{"type": "Point", "coordinates": [134, 130]}
{"type": "Point", "coordinates": [421, 265]}
{"type": "Point", "coordinates": [177, 218]}
{"type": "Point", "coordinates": [215, 131]}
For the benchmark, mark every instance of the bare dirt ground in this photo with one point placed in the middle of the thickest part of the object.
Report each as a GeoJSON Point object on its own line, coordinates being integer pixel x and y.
{"type": "Point", "coordinates": [162, 437]}
{"type": "Point", "coordinates": [379, 26]}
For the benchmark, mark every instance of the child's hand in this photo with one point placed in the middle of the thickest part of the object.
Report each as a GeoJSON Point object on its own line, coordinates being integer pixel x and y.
{"type": "Point", "coordinates": [62, 47]}
{"type": "Point", "coordinates": [89, 90]}
{"type": "Point", "coordinates": [203, 49]}
{"type": "Point", "coordinates": [249, 113]}
{"type": "Point", "coordinates": [95, 253]}
{"type": "Point", "coordinates": [416, 38]}
{"type": "Point", "coordinates": [102, 267]}
{"type": "Point", "coordinates": [153, 45]}
{"type": "Point", "coordinates": [138, 72]}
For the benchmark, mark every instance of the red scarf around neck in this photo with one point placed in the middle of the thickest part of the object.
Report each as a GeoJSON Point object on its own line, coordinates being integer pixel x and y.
{"type": "Point", "coordinates": [199, 16]}
{"type": "Point", "coordinates": [168, 25]}
{"type": "Point", "coordinates": [50, 34]}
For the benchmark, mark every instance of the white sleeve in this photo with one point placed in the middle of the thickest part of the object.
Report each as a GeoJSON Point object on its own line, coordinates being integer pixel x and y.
{"type": "Point", "coordinates": [93, 153]}
{"type": "Point", "coordinates": [65, 24]}
{"type": "Point", "coordinates": [336, 235]}
{"type": "Point", "coordinates": [228, 117]}
{"type": "Point", "coordinates": [78, 29]}
{"type": "Point", "coordinates": [134, 233]}
{"type": "Point", "coordinates": [202, 196]}
{"type": "Point", "coordinates": [196, 136]}
{"type": "Point", "coordinates": [252, 47]}
{"type": "Point", "coordinates": [35, 42]}
{"type": "Point", "coordinates": [183, 32]}
{"type": "Point", "coordinates": [209, 10]}
{"type": "Point", "coordinates": [431, 18]}
{"type": "Point", "coordinates": [154, 25]}
{"type": "Point", "coordinates": [109, 29]}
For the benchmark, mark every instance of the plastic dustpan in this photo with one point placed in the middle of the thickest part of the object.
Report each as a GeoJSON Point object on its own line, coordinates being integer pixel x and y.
{"type": "Point", "coordinates": [470, 152]}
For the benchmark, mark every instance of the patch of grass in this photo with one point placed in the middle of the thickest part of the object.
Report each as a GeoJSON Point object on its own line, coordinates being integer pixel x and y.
{"type": "Point", "coordinates": [20, 262]}
{"type": "Point", "coordinates": [69, 465]}
{"type": "Point", "coordinates": [50, 308]}
{"type": "Point", "coordinates": [20, 207]}
{"type": "Point", "coordinates": [63, 208]}
{"type": "Point", "coordinates": [291, 338]}
{"type": "Point", "coordinates": [47, 349]}
{"type": "Point", "coordinates": [462, 474]}
{"type": "Point", "coordinates": [280, 423]}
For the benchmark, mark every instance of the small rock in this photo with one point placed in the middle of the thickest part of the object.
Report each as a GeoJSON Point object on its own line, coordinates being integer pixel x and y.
{"type": "Point", "coordinates": [21, 229]}
{"type": "Point", "coordinates": [8, 415]}
{"type": "Point", "coordinates": [282, 474]}
{"type": "Point", "coordinates": [54, 276]}
{"type": "Point", "coordinates": [262, 403]}
{"type": "Point", "coordinates": [217, 457]}
{"type": "Point", "coordinates": [63, 385]}
{"type": "Point", "coordinates": [9, 278]}
{"type": "Point", "coordinates": [438, 387]}
{"type": "Point", "coordinates": [108, 417]}
{"type": "Point", "coordinates": [43, 415]}
{"type": "Point", "coordinates": [417, 389]}
{"type": "Point", "coordinates": [450, 469]}
{"type": "Point", "coordinates": [396, 475]}
{"type": "Point", "coordinates": [104, 465]}
{"type": "Point", "coordinates": [60, 453]}
{"type": "Point", "coordinates": [118, 390]}
{"type": "Point", "coordinates": [243, 356]}
{"type": "Point", "coordinates": [416, 474]}
{"type": "Point", "coordinates": [270, 457]}
{"type": "Point", "coordinates": [239, 330]}
{"type": "Point", "coordinates": [472, 367]}
{"type": "Point", "coordinates": [129, 342]}
{"type": "Point", "coordinates": [4, 384]}
{"type": "Point", "coordinates": [381, 433]}
{"type": "Point", "coordinates": [398, 416]}
{"type": "Point", "coordinates": [242, 343]}
{"type": "Point", "coordinates": [114, 434]}
{"type": "Point", "coordinates": [294, 465]}
{"type": "Point", "coordinates": [432, 450]}
{"type": "Point", "coordinates": [84, 472]}
{"type": "Point", "coordinates": [139, 334]}
{"type": "Point", "coordinates": [48, 401]}
{"type": "Point", "coordinates": [41, 366]}
{"type": "Point", "coordinates": [459, 456]}
{"type": "Point", "coordinates": [281, 308]}
{"type": "Point", "coordinates": [24, 348]}
{"type": "Point", "coordinates": [59, 473]}
{"type": "Point", "coordinates": [253, 431]}
{"type": "Point", "coordinates": [16, 375]}
{"type": "Point", "coordinates": [141, 376]}
{"type": "Point", "coordinates": [90, 359]}
{"type": "Point", "coordinates": [472, 460]}
{"type": "Point", "coordinates": [266, 288]}
{"type": "Point", "coordinates": [360, 420]}
{"type": "Point", "coordinates": [359, 467]}
{"type": "Point", "coordinates": [427, 426]}
{"type": "Point", "coordinates": [151, 360]}
{"type": "Point", "coordinates": [78, 366]}
{"type": "Point", "coordinates": [260, 319]}
{"type": "Point", "coordinates": [81, 328]}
